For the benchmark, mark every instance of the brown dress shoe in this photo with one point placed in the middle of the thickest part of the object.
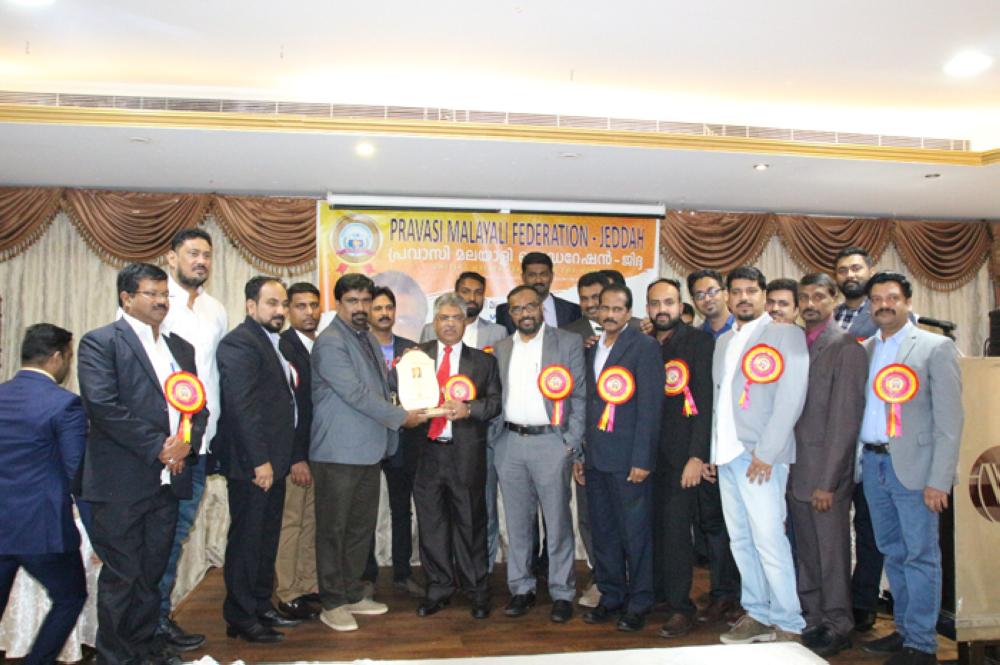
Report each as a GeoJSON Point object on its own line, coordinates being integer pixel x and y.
{"type": "Point", "coordinates": [677, 624]}
{"type": "Point", "coordinates": [716, 611]}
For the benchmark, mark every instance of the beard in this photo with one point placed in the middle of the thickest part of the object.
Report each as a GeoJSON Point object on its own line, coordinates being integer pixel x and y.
{"type": "Point", "coordinates": [472, 309]}
{"type": "Point", "coordinates": [190, 281]}
{"type": "Point", "coordinates": [663, 326]}
{"type": "Point", "coordinates": [529, 325]}
{"type": "Point", "coordinates": [852, 289]}
{"type": "Point", "coordinates": [274, 325]}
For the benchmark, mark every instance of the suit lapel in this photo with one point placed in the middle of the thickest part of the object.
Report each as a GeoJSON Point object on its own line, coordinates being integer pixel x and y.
{"type": "Point", "coordinates": [619, 348]}
{"type": "Point", "coordinates": [125, 330]}
{"type": "Point", "coordinates": [906, 346]}
{"type": "Point", "coordinates": [822, 341]}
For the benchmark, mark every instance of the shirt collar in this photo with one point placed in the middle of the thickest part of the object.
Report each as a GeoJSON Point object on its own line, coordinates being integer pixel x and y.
{"type": "Point", "coordinates": [39, 370]}
{"type": "Point", "coordinates": [739, 327]}
{"type": "Point", "coordinates": [177, 290]}
{"type": "Point", "coordinates": [143, 330]}
{"type": "Point", "coordinates": [897, 335]}
{"type": "Point", "coordinates": [536, 339]}
{"type": "Point", "coordinates": [813, 335]}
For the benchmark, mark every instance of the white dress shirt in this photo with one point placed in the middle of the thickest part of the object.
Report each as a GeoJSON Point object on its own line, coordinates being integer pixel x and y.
{"type": "Point", "coordinates": [602, 353]}
{"type": "Point", "coordinates": [471, 336]}
{"type": "Point", "coordinates": [164, 364]}
{"type": "Point", "coordinates": [291, 375]}
{"type": "Point", "coordinates": [306, 341]}
{"type": "Point", "coordinates": [203, 326]}
{"type": "Point", "coordinates": [549, 311]}
{"type": "Point", "coordinates": [727, 445]}
{"type": "Point", "coordinates": [525, 404]}
{"type": "Point", "coordinates": [456, 354]}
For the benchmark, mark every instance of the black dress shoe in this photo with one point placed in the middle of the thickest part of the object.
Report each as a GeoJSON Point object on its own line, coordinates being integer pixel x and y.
{"type": "Point", "coordinates": [891, 643]}
{"type": "Point", "coordinates": [255, 633]}
{"type": "Point", "coordinates": [176, 637]}
{"type": "Point", "coordinates": [601, 614]}
{"type": "Point", "coordinates": [813, 634]}
{"type": "Point", "coordinates": [520, 604]}
{"type": "Point", "coordinates": [310, 598]}
{"type": "Point", "coordinates": [272, 619]}
{"type": "Point", "coordinates": [829, 644]}
{"type": "Point", "coordinates": [298, 609]}
{"type": "Point", "coordinates": [631, 622]}
{"type": "Point", "coordinates": [428, 607]}
{"type": "Point", "coordinates": [562, 611]}
{"type": "Point", "coordinates": [863, 620]}
{"type": "Point", "coordinates": [481, 610]}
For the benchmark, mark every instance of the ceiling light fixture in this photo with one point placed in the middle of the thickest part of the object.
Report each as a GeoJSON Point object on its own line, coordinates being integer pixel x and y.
{"type": "Point", "coordinates": [569, 155]}
{"type": "Point", "coordinates": [364, 149]}
{"type": "Point", "coordinates": [932, 176]}
{"type": "Point", "coordinates": [968, 63]}
{"type": "Point", "coordinates": [761, 167]}
{"type": "Point", "coordinates": [140, 139]}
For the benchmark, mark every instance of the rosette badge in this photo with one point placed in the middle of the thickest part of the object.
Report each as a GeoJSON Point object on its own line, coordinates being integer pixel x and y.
{"type": "Point", "coordinates": [185, 392]}
{"type": "Point", "coordinates": [761, 364]}
{"type": "Point", "coordinates": [678, 382]}
{"type": "Point", "coordinates": [895, 385]}
{"type": "Point", "coordinates": [459, 388]}
{"type": "Point", "coordinates": [616, 385]}
{"type": "Point", "coordinates": [556, 383]}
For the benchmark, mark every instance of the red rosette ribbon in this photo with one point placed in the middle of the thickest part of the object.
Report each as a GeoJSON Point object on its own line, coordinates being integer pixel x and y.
{"type": "Point", "coordinates": [555, 383]}
{"type": "Point", "coordinates": [616, 385]}
{"type": "Point", "coordinates": [896, 384]}
{"type": "Point", "coordinates": [678, 380]}
{"type": "Point", "coordinates": [186, 393]}
{"type": "Point", "coordinates": [761, 364]}
{"type": "Point", "coordinates": [459, 388]}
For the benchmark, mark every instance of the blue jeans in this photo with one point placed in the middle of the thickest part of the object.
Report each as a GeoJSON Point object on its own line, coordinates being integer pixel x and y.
{"type": "Point", "coordinates": [187, 511]}
{"type": "Point", "coordinates": [755, 517]}
{"type": "Point", "coordinates": [906, 532]}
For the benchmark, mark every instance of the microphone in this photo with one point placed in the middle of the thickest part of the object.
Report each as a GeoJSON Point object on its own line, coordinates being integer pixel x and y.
{"type": "Point", "coordinates": [943, 325]}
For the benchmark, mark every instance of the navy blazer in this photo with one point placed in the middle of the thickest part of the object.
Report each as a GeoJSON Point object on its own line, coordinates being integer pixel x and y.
{"type": "Point", "coordinates": [258, 407]}
{"type": "Point", "coordinates": [43, 433]}
{"type": "Point", "coordinates": [635, 439]}
{"type": "Point", "coordinates": [295, 352]}
{"type": "Point", "coordinates": [566, 313]}
{"type": "Point", "coordinates": [128, 415]}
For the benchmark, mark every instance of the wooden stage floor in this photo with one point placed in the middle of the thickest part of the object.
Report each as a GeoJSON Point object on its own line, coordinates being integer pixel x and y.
{"type": "Point", "coordinates": [451, 633]}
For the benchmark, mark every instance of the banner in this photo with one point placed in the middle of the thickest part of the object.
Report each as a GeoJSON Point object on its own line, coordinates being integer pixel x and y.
{"type": "Point", "coordinates": [419, 254]}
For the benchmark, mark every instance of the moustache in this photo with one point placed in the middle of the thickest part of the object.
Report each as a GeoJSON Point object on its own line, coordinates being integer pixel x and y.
{"type": "Point", "coordinates": [884, 310]}
{"type": "Point", "coordinates": [157, 308]}
{"type": "Point", "coordinates": [198, 268]}
{"type": "Point", "coordinates": [809, 310]}
{"type": "Point", "coordinates": [608, 320]}
{"type": "Point", "coordinates": [384, 319]}
{"type": "Point", "coordinates": [745, 302]}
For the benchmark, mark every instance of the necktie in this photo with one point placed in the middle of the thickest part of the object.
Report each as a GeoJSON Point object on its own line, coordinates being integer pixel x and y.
{"type": "Point", "coordinates": [444, 371]}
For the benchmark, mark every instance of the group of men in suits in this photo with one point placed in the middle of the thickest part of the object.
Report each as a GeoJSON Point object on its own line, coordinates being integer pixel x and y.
{"type": "Point", "coordinates": [657, 422]}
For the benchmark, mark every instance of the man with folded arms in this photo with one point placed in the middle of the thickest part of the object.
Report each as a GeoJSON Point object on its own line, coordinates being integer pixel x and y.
{"type": "Point", "coordinates": [821, 482]}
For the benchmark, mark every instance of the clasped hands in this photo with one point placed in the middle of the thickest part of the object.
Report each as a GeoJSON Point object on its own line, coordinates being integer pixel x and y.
{"type": "Point", "coordinates": [173, 453]}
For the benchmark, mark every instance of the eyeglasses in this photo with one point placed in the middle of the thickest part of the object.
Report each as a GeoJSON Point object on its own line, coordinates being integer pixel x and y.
{"type": "Point", "coordinates": [530, 308]}
{"type": "Point", "coordinates": [155, 295]}
{"type": "Point", "coordinates": [710, 293]}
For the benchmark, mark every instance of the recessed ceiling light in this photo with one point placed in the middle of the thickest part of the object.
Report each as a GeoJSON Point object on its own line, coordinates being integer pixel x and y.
{"type": "Point", "coordinates": [140, 139]}
{"type": "Point", "coordinates": [931, 176]}
{"type": "Point", "coordinates": [968, 63]}
{"type": "Point", "coordinates": [33, 3]}
{"type": "Point", "coordinates": [761, 167]}
{"type": "Point", "coordinates": [569, 155]}
{"type": "Point", "coordinates": [364, 149]}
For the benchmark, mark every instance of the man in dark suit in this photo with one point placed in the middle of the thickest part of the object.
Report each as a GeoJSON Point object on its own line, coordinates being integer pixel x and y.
{"type": "Point", "coordinates": [44, 431]}
{"type": "Point", "coordinates": [684, 446]}
{"type": "Point", "coordinates": [135, 467]}
{"type": "Point", "coordinates": [400, 468]}
{"type": "Point", "coordinates": [449, 488]}
{"type": "Point", "coordinates": [295, 565]}
{"type": "Point", "coordinates": [536, 272]}
{"type": "Point", "coordinates": [821, 482]}
{"type": "Point", "coordinates": [258, 428]}
{"type": "Point", "coordinates": [619, 459]}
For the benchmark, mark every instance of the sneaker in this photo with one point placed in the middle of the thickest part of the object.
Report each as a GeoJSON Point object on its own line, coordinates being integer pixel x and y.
{"type": "Point", "coordinates": [785, 636]}
{"type": "Point", "coordinates": [747, 631]}
{"type": "Point", "coordinates": [591, 597]}
{"type": "Point", "coordinates": [367, 606]}
{"type": "Point", "coordinates": [339, 619]}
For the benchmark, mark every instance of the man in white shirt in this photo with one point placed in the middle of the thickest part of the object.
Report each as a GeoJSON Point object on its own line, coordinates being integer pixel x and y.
{"type": "Point", "coordinates": [201, 320]}
{"type": "Point", "coordinates": [537, 272]}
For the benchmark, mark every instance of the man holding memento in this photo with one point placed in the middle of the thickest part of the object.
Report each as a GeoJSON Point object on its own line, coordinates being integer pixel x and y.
{"type": "Point", "coordinates": [625, 382]}
{"type": "Point", "coordinates": [541, 368]}
{"type": "Point", "coordinates": [449, 487]}
{"type": "Point", "coordinates": [760, 370]}
{"type": "Point", "coordinates": [910, 437]}
{"type": "Point", "coordinates": [145, 406]}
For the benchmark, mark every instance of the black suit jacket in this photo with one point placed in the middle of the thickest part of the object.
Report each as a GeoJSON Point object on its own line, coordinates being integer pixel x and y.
{"type": "Point", "coordinates": [635, 439]}
{"type": "Point", "coordinates": [566, 313]}
{"type": "Point", "coordinates": [258, 409]}
{"type": "Point", "coordinates": [295, 352]}
{"type": "Point", "coordinates": [128, 416]}
{"type": "Point", "coordinates": [683, 437]}
{"type": "Point", "coordinates": [469, 434]}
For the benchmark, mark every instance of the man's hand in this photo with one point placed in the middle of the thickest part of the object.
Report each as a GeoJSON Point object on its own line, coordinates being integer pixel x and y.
{"type": "Point", "coordinates": [301, 475]}
{"type": "Point", "coordinates": [414, 419]}
{"type": "Point", "coordinates": [646, 326]}
{"type": "Point", "coordinates": [457, 410]}
{"type": "Point", "coordinates": [637, 475]}
{"type": "Point", "coordinates": [758, 472]}
{"type": "Point", "coordinates": [935, 500]}
{"type": "Point", "coordinates": [590, 341]}
{"type": "Point", "coordinates": [822, 500]}
{"type": "Point", "coordinates": [173, 453]}
{"type": "Point", "coordinates": [263, 476]}
{"type": "Point", "coordinates": [691, 476]}
{"type": "Point", "coordinates": [709, 473]}
{"type": "Point", "coordinates": [578, 474]}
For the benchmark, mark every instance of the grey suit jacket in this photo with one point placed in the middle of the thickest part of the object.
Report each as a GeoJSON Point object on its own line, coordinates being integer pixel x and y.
{"type": "Point", "coordinates": [767, 427]}
{"type": "Point", "coordinates": [489, 333]}
{"type": "Point", "coordinates": [560, 348]}
{"type": "Point", "coordinates": [925, 454]}
{"type": "Point", "coordinates": [354, 420]}
{"type": "Point", "coordinates": [827, 432]}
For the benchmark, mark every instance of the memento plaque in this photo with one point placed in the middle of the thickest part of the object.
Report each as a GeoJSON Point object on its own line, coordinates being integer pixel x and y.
{"type": "Point", "coordinates": [418, 385]}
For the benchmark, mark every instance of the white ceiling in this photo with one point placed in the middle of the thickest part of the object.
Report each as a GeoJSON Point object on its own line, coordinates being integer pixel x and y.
{"type": "Point", "coordinates": [854, 65]}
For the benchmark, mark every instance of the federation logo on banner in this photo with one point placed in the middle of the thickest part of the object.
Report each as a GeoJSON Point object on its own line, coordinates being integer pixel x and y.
{"type": "Point", "coordinates": [355, 240]}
